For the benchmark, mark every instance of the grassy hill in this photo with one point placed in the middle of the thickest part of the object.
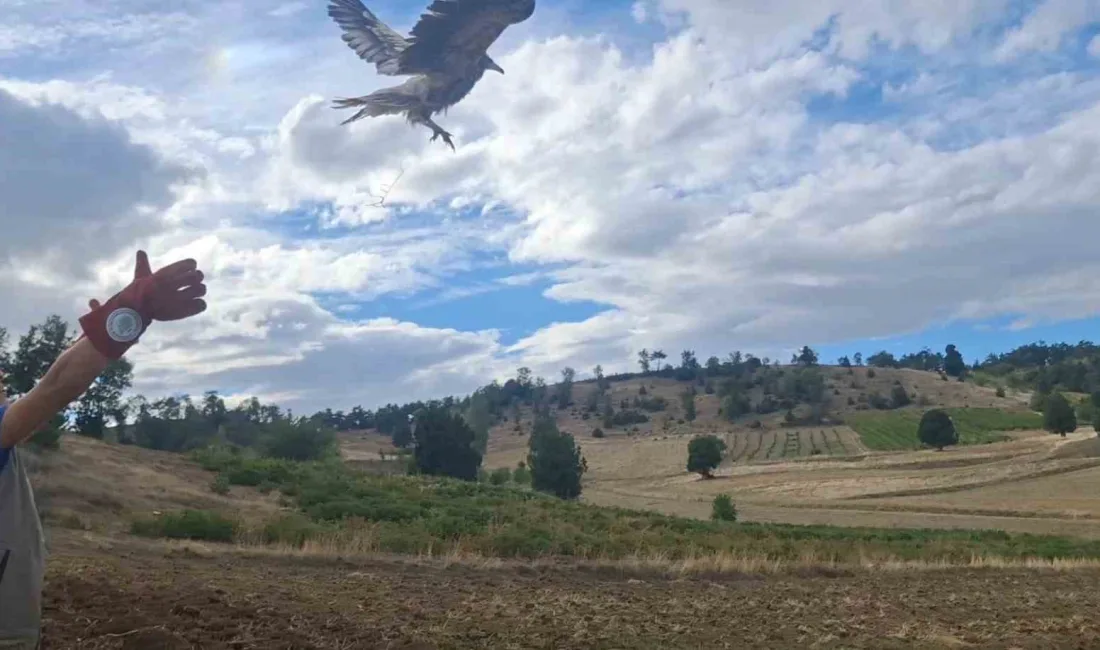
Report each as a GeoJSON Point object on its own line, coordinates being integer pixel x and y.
{"type": "Point", "coordinates": [849, 423]}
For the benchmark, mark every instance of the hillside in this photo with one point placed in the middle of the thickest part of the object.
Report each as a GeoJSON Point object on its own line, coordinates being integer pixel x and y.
{"type": "Point", "coordinates": [760, 436]}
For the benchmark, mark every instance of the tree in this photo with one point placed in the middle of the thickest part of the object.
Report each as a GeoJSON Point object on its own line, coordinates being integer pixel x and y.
{"type": "Point", "coordinates": [35, 353]}
{"type": "Point", "coordinates": [479, 419]}
{"type": "Point", "coordinates": [953, 363]}
{"type": "Point", "coordinates": [937, 430]}
{"type": "Point", "coordinates": [806, 357]}
{"type": "Point", "coordinates": [555, 460]}
{"type": "Point", "coordinates": [899, 397]}
{"type": "Point", "coordinates": [103, 399]}
{"type": "Point", "coordinates": [444, 445]}
{"type": "Point", "coordinates": [687, 398]}
{"type": "Point", "coordinates": [882, 359]}
{"type": "Point", "coordinates": [565, 388]}
{"type": "Point", "coordinates": [601, 382]}
{"type": "Point", "coordinates": [658, 356]}
{"type": "Point", "coordinates": [213, 409]}
{"type": "Point", "coordinates": [714, 366]}
{"type": "Point", "coordinates": [858, 358]}
{"type": "Point", "coordinates": [844, 362]}
{"type": "Point", "coordinates": [643, 360]}
{"type": "Point", "coordinates": [705, 454]}
{"type": "Point", "coordinates": [1058, 416]}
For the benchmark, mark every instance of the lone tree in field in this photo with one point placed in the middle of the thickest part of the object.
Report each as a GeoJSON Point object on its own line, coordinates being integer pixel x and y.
{"type": "Point", "coordinates": [704, 455]}
{"type": "Point", "coordinates": [555, 460]}
{"type": "Point", "coordinates": [937, 430]}
{"type": "Point", "coordinates": [1058, 415]}
{"type": "Point", "coordinates": [445, 445]}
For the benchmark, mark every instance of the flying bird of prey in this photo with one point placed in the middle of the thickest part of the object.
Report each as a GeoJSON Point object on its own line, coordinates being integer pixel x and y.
{"type": "Point", "coordinates": [445, 55]}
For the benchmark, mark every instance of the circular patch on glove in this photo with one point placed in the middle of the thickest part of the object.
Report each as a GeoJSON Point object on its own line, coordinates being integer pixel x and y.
{"type": "Point", "coordinates": [124, 325]}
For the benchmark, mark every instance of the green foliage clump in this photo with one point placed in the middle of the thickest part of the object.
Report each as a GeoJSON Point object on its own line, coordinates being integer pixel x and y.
{"type": "Point", "coordinates": [597, 433]}
{"type": "Point", "coordinates": [899, 397]}
{"type": "Point", "coordinates": [188, 524]}
{"type": "Point", "coordinates": [1000, 391]}
{"type": "Point", "coordinates": [500, 476]}
{"type": "Point", "coordinates": [304, 440]}
{"type": "Point", "coordinates": [722, 509]}
{"type": "Point", "coordinates": [705, 454]}
{"type": "Point", "coordinates": [220, 484]}
{"type": "Point", "coordinates": [555, 460]}
{"type": "Point", "coordinates": [521, 475]}
{"type": "Point", "coordinates": [445, 445]}
{"type": "Point", "coordinates": [1058, 415]}
{"type": "Point", "coordinates": [937, 430]}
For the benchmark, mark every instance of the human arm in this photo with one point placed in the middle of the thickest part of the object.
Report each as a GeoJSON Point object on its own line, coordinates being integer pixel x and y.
{"type": "Point", "coordinates": [67, 379]}
{"type": "Point", "coordinates": [172, 293]}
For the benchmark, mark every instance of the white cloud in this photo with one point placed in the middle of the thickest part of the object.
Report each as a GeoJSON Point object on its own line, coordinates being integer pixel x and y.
{"type": "Point", "coordinates": [1045, 27]}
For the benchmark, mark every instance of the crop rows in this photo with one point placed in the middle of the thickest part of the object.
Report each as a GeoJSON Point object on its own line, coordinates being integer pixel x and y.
{"type": "Point", "coordinates": [894, 430]}
{"type": "Point", "coordinates": [773, 445]}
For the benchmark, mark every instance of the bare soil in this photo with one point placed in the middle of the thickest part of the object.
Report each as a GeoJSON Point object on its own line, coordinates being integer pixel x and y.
{"type": "Point", "coordinates": [142, 598]}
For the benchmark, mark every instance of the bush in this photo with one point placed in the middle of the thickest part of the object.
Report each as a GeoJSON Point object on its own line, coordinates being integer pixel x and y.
{"type": "Point", "coordinates": [1000, 391]}
{"type": "Point", "coordinates": [627, 418]}
{"type": "Point", "coordinates": [522, 475]}
{"type": "Point", "coordinates": [705, 454]}
{"type": "Point", "coordinates": [188, 524]}
{"type": "Point", "coordinates": [936, 429]}
{"type": "Point", "coordinates": [651, 404]}
{"type": "Point", "coordinates": [597, 432]}
{"type": "Point", "coordinates": [220, 484]}
{"type": "Point", "coordinates": [898, 396]}
{"type": "Point", "coordinates": [870, 373]}
{"type": "Point", "coordinates": [294, 529]}
{"type": "Point", "coordinates": [723, 509]}
{"type": "Point", "coordinates": [500, 476]}
{"type": "Point", "coordinates": [304, 440]}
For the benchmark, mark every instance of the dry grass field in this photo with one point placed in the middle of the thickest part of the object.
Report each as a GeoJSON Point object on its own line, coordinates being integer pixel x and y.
{"type": "Point", "coordinates": [109, 589]}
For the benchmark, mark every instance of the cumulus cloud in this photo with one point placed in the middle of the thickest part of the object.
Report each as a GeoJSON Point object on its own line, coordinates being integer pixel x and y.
{"type": "Point", "coordinates": [73, 191]}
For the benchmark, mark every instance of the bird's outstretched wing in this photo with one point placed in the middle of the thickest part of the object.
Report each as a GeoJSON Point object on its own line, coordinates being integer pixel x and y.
{"type": "Point", "coordinates": [374, 41]}
{"type": "Point", "coordinates": [454, 33]}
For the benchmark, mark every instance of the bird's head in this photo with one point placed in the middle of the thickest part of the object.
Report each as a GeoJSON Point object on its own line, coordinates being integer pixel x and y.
{"type": "Point", "coordinates": [491, 65]}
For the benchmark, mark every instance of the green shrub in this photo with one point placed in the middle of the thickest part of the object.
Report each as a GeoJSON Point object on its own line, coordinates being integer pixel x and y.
{"type": "Point", "coordinates": [1000, 391]}
{"type": "Point", "coordinates": [220, 484]}
{"type": "Point", "coordinates": [723, 509]}
{"type": "Point", "coordinates": [293, 529]}
{"type": "Point", "coordinates": [704, 454]}
{"type": "Point", "coordinates": [500, 476]}
{"type": "Point", "coordinates": [597, 432]}
{"type": "Point", "coordinates": [187, 524]}
{"type": "Point", "coordinates": [522, 475]}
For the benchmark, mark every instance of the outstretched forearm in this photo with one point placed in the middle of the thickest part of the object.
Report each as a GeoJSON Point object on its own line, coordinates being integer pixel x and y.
{"type": "Point", "coordinates": [65, 381]}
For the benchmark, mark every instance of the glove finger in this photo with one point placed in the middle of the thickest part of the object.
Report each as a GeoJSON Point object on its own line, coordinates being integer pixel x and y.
{"type": "Point", "coordinates": [178, 310]}
{"type": "Point", "coordinates": [141, 266]}
{"type": "Point", "coordinates": [185, 279]}
{"type": "Point", "coordinates": [176, 268]}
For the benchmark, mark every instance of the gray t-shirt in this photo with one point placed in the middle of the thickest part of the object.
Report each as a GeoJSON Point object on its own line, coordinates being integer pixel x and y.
{"type": "Point", "coordinates": [22, 552]}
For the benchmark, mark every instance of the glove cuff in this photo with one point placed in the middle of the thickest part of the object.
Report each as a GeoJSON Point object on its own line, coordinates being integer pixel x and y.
{"type": "Point", "coordinates": [116, 326]}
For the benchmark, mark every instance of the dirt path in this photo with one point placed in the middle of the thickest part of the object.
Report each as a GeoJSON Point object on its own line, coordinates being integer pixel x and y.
{"type": "Point", "coordinates": [145, 600]}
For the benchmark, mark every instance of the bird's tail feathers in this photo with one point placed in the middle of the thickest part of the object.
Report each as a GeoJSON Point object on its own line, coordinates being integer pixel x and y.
{"type": "Point", "coordinates": [375, 104]}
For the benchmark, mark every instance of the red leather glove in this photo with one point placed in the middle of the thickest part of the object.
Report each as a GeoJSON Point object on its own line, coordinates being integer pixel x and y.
{"type": "Point", "coordinates": [172, 293]}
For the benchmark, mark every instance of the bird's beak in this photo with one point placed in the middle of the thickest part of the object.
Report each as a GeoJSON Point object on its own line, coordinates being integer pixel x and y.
{"type": "Point", "coordinates": [496, 68]}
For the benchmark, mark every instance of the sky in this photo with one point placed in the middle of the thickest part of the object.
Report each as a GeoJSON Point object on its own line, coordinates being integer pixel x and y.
{"type": "Point", "coordinates": [714, 175]}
